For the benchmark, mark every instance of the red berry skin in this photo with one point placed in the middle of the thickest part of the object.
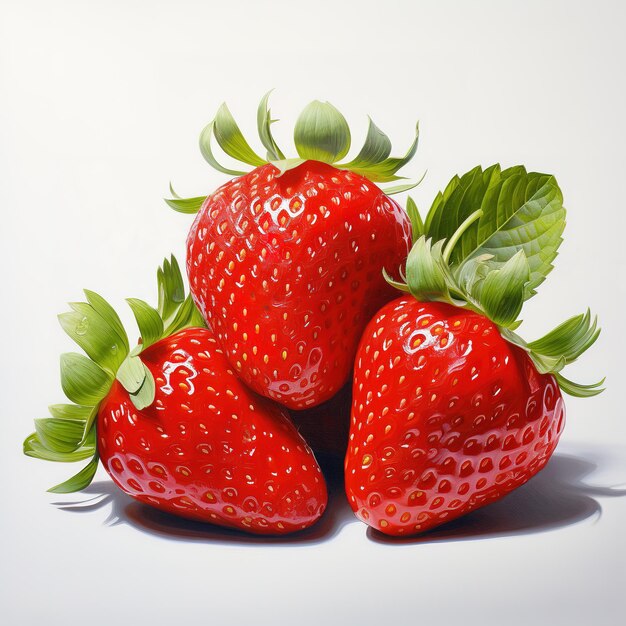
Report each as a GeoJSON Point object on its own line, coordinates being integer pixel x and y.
{"type": "Point", "coordinates": [287, 271]}
{"type": "Point", "coordinates": [208, 448]}
{"type": "Point", "coordinates": [447, 416]}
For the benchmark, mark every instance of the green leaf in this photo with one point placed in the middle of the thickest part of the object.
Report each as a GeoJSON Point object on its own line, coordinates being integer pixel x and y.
{"type": "Point", "coordinates": [186, 205]}
{"type": "Point", "coordinates": [472, 271]}
{"type": "Point", "coordinates": [501, 294]}
{"type": "Point", "coordinates": [385, 171]}
{"type": "Point", "coordinates": [148, 320]}
{"type": "Point", "coordinates": [417, 225]}
{"type": "Point", "coordinates": [376, 148]}
{"type": "Point", "coordinates": [394, 189]}
{"type": "Point", "coordinates": [34, 448]}
{"type": "Point", "coordinates": [70, 411]}
{"type": "Point", "coordinates": [322, 133]}
{"type": "Point", "coordinates": [108, 314]}
{"type": "Point", "coordinates": [131, 374]}
{"type": "Point", "coordinates": [559, 348]}
{"type": "Point", "coordinates": [144, 396]}
{"type": "Point", "coordinates": [521, 211]}
{"type": "Point", "coordinates": [569, 340]}
{"type": "Point", "coordinates": [395, 283]}
{"type": "Point", "coordinates": [187, 316]}
{"type": "Point", "coordinates": [264, 122]}
{"type": "Point", "coordinates": [171, 289]}
{"type": "Point", "coordinates": [91, 419]}
{"type": "Point", "coordinates": [60, 435]}
{"type": "Point", "coordinates": [95, 335]}
{"type": "Point", "coordinates": [83, 381]}
{"type": "Point", "coordinates": [207, 151]}
{"type": "Point", "coordinates": [425, 276]}
{"type": "Point", "coordinates": [80, 480]}
{"type": "Point", "coordinates": [231, 139]}
{"type": "Point", "coordinates": [577, 390]}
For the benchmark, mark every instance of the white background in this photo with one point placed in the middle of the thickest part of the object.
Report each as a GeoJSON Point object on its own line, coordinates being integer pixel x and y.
{"type": "Point", "coordinates": [101, 103]}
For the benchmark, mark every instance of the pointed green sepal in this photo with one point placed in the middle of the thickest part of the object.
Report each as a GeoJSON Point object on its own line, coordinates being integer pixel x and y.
{"type": "Point", "coordinates": [187, 316]}
{"type": "Point", "coordinates": [189, 206]}
{"type": "Point", "coordinates": [231, 139]}
{"type": "Point", "coordinates": [417, 225]}
{"type": "Point", "coordinates": [568, 340]}
{"type": "Point", "coordinates": [60, 435]}
{"type": "Point", "coordinates": [83, 380]}
{"type": "Point", "coordinates": [322, 133]}
{"type": "Point", "coordinates": [385, 171]}
{"type": "Point", "coordinates": [144, 396]}
{"type": "Point", "coordinates": [70, 411]}
{"type": "Point", "coordinates": [207, 151]}
{"type": "Point", "coordinates": [78, 481]}
{"type": "Point", "coordinates": [501, 293]}
{"type": "Point", "coordinates": [131, 374]}
{"type": "Point", "coordinates": [394, 189]}
{"type": "Point", "coordinates": [94, 335]}
{"type": "Point", "coordinates": [264, 122]}
{"type": "Point", "coordinates": [425, 276]}
{"type": "Point", "coordinates": [394, 283]}
{"type": "Point", "coordinates": [377, 148]}
{"type": "Point", "coordinates": [171, 289]}
{"type": "Point", "coordinates": [34, 448]}
{"type": "Point", "coordinates": [148, 320]}
{"type": "Point", "coordinates": [577, 390]}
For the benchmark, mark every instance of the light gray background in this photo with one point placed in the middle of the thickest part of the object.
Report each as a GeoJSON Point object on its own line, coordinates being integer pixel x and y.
{"type": "Point", "coordinates": [101, 104]}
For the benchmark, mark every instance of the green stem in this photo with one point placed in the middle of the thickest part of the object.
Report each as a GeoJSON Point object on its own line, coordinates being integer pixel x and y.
{"type": "Point", "coordinates": [447, 252]}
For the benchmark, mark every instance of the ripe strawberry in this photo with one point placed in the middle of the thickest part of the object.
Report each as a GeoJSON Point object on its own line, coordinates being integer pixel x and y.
{"type": "Point", "coordinates": [208, 448]}
{"type": "Point", "coordinates": [452, 410]}
{"type": "Point", "coordinates": [447, 416]}
{"type": "Point", "coordinates": [284, 262]}
{"type": "Point", "coordinates": [176, 428]}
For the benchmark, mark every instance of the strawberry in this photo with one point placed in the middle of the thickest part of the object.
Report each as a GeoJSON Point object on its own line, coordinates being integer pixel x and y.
{"type": "Point", "coordinates": [172, 424]}
{"type": "Point", "coordinates": [284, 262]}
{"type": "Point", "coordinates": [451, 408]}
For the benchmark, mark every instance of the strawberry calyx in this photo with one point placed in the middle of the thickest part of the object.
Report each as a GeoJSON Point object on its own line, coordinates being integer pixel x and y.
{"type": "Point", "coordinates": [494, 259]}
{"type": "Point", "coordinates": [70, 433]}
{"type": "Point", "coordinates": [321, 133]}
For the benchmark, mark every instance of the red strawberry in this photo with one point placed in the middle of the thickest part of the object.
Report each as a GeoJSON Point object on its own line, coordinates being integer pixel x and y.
{"type": "Point", "coordinates": [173, 425]}
{"type": "Point", "coordinates": [285, 262]}
{"type": "Point", "coordinates": [448, 414]}
{"type": "Point", "coordinates": [208, 448]}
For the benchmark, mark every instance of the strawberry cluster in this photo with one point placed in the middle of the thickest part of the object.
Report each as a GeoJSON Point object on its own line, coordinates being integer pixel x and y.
{"type": "Point", "coordinates": [295, 328]}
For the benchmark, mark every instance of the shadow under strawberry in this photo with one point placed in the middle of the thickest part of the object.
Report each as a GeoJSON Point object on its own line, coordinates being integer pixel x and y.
{"type": "Point", "coordinates": [125, 510]}
{"type": "Point", "coordinates": [557, 496]}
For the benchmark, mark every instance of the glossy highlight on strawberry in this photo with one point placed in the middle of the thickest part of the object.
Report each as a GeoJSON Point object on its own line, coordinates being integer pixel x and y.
{"type": "Point", "coordinates": [286, 269]}
{"type": "Point", "coordinates": [447, 416]}
{"type": "Point", "coordinates": [208, 448]}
